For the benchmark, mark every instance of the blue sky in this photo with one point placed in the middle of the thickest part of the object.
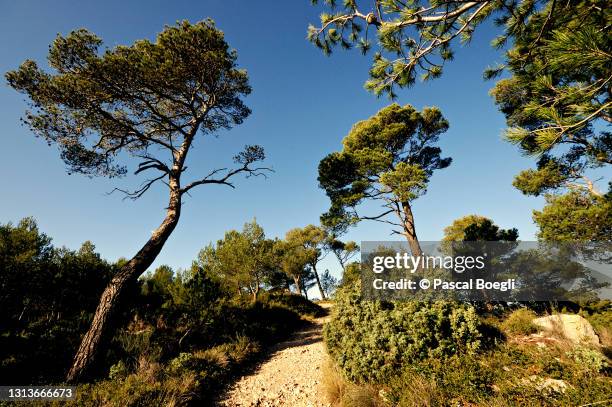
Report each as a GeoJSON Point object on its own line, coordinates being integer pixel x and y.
{"type": "Point", "coordinates": [303, 105]}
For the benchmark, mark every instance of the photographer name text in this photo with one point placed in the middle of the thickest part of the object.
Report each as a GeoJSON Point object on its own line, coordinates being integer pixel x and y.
{"type": "Point", "coordinates": [439, 284]}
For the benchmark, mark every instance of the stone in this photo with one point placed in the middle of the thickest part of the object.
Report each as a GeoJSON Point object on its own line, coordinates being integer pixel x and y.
{"type": "Point", "coordinates": [573, 327]}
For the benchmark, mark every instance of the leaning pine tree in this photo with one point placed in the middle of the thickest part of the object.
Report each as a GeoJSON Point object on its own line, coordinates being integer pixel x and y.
{"type": "Point", "coordinates": [389, 159]}
{"type": "Point", "coordinates": [147, 102]}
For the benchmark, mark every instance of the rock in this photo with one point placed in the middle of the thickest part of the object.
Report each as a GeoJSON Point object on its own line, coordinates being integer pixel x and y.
{"type": "Point", "coordinates": [571, 326]}
{"type": "Point", "coordinates": [546, 385]}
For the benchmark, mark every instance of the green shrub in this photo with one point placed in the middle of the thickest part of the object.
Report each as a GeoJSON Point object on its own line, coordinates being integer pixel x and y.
{"type": "Point", "coordinates": [184, 360]}
{"type": "Point", "coordinates": [239, 350]}
{"type": "Point", "coordinates": [370, 340]}
{"type": "Point", "coordinates": [520, 322]}
{"type": "Point", "coordinates": [600, 317]}
{"type": "Point", "coordinates": [294, 302]}
{"type": "Point", "coordinates": [137, 390]}
{"type": "Point", "coordinates": [118, 371]}
{"type": "Point", "coordinates": [588, 359]}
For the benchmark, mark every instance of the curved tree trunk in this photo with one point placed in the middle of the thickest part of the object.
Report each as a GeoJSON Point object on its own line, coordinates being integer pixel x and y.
{"type": "Point", "coordinates": [112, 293]}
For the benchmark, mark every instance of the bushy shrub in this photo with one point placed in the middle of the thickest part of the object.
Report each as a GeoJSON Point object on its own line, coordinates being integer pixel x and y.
{"type": "Point", "coordinates": [294, 302]}
{"type": "Point", "coordinates": [599, 314]}
{"type": "Point", "coordinates": [520, 322]}
{"type": "Point", "coordinates": [589, 359]}
{"type": "Point", "coordinates": [47, 299]}
{"type": "Point", "coordinates": [138, 389]}
{"type": "Point", "coordinates": [436, 382]}
{"type": "Point", "coordinates": [370, 340]}
{"type": "Point", "coordinates": [117, 371]}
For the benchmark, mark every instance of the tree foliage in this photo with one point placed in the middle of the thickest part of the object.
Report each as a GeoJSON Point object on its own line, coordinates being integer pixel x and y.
{"type": "Point", "coordinates": [411, 38]}
{"type": "Point", "coordinates": [312, 242]}
{"type": "Point", "coordinates": [575, 216]}
{"type": "Point", "coordinates": [242, 260]}
{"type": "Point", "coordinates": [295, 260]}
{"type": "Point", "coordinates": [343, 251]}
{"type": "Point", "coordinates": [387, 158]}
{"type": "Point", "coordinates": [329, 283]}
{"type": "Point", "coordinates": [557, 99]}
{"type": "Point", "coordinates": [47, 298]}
{"type": "Point", "coordinates": [142, 100]}
{"type": "Point", "coordinates": [456, 230]}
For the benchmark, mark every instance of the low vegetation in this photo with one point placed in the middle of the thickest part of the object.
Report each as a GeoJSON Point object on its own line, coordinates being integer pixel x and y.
{"type": "Point", "coordinates": [370, 339]}
{"type": "Point", "coordinates": [453, 356]}
{"type": "Point", "coordinates": [179, 337]}
{"type": "Point", "coordinates": [519, 322]}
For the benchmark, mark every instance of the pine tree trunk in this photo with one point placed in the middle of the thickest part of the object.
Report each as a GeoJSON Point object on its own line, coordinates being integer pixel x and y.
{"type": "Point", "coordinates": [298, 285]}
{"type": "Point", "coordinates": [314, 269]}
{"type": "Point", "coordinates": [255, 293]}
{"type": "Point", "coordinates": [410, 231]}
{"type": "Point", "coordinates": [90, 343]}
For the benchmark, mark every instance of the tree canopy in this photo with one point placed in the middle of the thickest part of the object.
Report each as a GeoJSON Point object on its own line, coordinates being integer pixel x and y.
{"type": "Point", "coordinates": [343, 251]}
{"type": "Point", "coordinates": [142, 100]}
{"type": "Point", "coordinates": [312, 241]}
{"type": "Point", "coordinates": [556, 97]}
{"type": "Point", "coordinates": [575, 216]}
{"type": "Point", "coordinates": [389, 159]}
{"type": "Point", "coordinates": [477, 227]}
{"type": "Point", "coordinates": [242, 260]}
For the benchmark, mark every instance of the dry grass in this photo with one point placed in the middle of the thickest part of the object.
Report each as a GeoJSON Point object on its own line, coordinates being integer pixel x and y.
{"type": "Point", "coordinates": [147, 369]}
{"type": "Point", "coordinates": [415, 390]}
{"type": "Point", "coordinates": [519, 322]}
{"type": "Point", "coordinates": [332, 383]}
{"type": "Point", "coordinates": [360, 396]}
{"type": "Point", "coordinates": [214, 356]}
{"type": "Point", "coordinates": [340, 393]}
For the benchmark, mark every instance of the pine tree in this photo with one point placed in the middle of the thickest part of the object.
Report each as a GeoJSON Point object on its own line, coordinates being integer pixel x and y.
{"type": "Point", "coordinates": [389, 159]}
{"type": "Point", "coordinates": [148, 102]}
{"type": "Point", "coordinates": [556, 99]}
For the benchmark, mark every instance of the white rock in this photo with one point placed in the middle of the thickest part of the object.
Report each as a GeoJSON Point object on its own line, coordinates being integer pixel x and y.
{"type": "Point", "coordinates": [571, 326]}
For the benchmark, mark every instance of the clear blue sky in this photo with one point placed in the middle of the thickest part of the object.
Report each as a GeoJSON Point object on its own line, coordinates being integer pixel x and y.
{"type": "Point", "coordinates": [303, 105]}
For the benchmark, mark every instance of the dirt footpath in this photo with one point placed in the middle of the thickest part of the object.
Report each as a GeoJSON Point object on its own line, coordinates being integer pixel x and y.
{"type": "Point", "coordinates": [290, 377]}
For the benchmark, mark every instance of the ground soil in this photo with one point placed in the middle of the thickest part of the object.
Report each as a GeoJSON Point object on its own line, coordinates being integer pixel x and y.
{"type": "Point", "coordinates": [290, 376]}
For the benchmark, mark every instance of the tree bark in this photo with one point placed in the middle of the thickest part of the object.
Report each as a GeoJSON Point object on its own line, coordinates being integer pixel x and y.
{"type": "Point", "coordinates": [298, 285]}
{"type": "Point", "coordinates": [410, 231]}
{"type": "Point", "coordinates": [255, 293]}
{"type": "Point", "coordinates": [314, 270]}
{"type": "Point", "coordinates": [131, 271]}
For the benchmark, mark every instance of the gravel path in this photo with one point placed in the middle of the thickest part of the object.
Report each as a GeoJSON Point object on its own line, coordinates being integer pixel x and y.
{"type": "Point", "coordinates": [290, 377]}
